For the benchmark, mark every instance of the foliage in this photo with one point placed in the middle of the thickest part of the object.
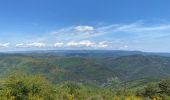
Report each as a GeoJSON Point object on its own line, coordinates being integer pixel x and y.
{"type": "Point", "coordinates": [150, 91]}
{"type": "Point", "coordinates": [157, 90]}
{"type": "Point", "coordinates": [164, 86]}
{"type": "Point", "coordinates": [20, 86]}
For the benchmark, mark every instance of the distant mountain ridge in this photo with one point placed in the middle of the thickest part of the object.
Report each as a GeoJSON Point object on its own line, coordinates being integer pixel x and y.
{"type": "Point", "coordinates": [90, 53]}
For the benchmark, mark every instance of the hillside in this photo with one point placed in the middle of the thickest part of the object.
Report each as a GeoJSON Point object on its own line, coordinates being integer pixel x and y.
{"type": "Point", "coordinates": [94, 69]}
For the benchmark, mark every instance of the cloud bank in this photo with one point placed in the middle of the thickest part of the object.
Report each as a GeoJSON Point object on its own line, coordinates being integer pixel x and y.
{"type": "Point", "coordinates": [132, 36]}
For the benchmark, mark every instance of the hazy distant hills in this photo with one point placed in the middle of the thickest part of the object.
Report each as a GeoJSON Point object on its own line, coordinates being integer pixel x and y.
{"type": "Point", "coordinates": [88, 53]}
{"type": "Point", "coordinates": [93, 67]}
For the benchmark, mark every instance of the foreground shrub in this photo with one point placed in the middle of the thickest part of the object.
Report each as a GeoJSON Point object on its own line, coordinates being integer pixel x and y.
{"type": "Point", "coordinates": [20, 86]}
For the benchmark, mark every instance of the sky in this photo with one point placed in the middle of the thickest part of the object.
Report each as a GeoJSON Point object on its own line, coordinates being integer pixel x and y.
{"type": "Point", "coordinates": [142, 25]}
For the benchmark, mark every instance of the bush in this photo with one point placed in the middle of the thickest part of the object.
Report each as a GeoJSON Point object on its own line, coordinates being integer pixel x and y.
{"type": "Point", "coordinates": [21, 86]}
{"type": "Point", "coordinates": [164, 86]}
{"type": "Point", "coordinates": [151, 90]}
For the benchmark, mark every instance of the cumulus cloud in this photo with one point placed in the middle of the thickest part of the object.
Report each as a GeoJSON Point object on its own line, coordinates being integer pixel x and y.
{"type": "Point", "coordinates": [82, 32]}
{"type": "Point", "coordinates": [92, 44]}
{"type": "Point", "coordinates": [87, 43]}
{"type": "Point", "coordinates": [36, 44]}
{"type": "Point", "coordinates": [29, 45]}
{"type": "Point", "coordinates": [103, 36]}
{"type": "Point", "coordinates": [59, 44]}
{"type": "Point", "coordinates": [20, 45]}
{"type": "Point", "coordinates": [75, 32]}
{"type": "Point", "coordinates": [84, 43]}
{"type": "Point", "coordinates": [103, 44]}
{"type": "Point", "coordinates": [72, 43]}
{"type": "Point", "coordinates": [84, 28]}
{"type": "Point", "coordinates": [116, 31]}
{"type": "Point", "coordinates": [4, 45]}
{"type": "Point", "coordinates": [97, 45]}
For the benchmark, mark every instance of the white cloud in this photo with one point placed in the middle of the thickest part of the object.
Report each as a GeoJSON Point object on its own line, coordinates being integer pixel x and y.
{"type": "Point", "coordinates": [20, 45]}
{"type": "Point", "coordinates": [76, 32]}
{"type": "Point", "coordinates": [84, 43]}
{"type": "Point", "coordinates": [36, 44]}
{"type": "Point", "coordinates": [141, 30]}
{"type": "Point", "coordinates": [135, 27]}
{"type": "Point", "coordinates": [4, 45]}
{"type": "Point", "coordinates": [59, 44]}
{"type": "Point", "coordinates": [29, 45]}
{"type": "Point", "coordinates": [97, 45]}
{"type": "Point", "coordinates": [116, 31]}
{"type": "Point", "coordinates": [103, 44]}
{"type": "Point", "coordinates": [101, 37]}
{"type": "Point", "coordinates": [87, 43]}
{"type": "Point", "coordinates": [72, 43]}
{"type": "Point", "coordinates": [84, 28]}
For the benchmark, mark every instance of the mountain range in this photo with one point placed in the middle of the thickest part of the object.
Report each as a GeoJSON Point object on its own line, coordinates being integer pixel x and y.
{"type": "Point", "coordinates": [94, 67]}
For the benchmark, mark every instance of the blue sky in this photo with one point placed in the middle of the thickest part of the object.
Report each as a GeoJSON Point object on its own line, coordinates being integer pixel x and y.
{"type": "Point", "coordinates": [85, 24]}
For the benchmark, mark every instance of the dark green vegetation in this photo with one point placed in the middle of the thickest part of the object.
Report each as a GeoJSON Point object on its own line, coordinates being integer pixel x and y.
{"type": "Point", "coordinates": [82, 75]}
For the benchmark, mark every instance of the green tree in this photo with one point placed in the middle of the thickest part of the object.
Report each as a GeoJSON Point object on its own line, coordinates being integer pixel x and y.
{"type": "Point", "coordinates": [21, 86]}
{"type": "Point", "coordinates": [164, 86]}
{"type": "Point", "coordinates": [150, 91]}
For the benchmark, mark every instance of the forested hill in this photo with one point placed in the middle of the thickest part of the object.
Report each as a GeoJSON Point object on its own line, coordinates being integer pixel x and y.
{"type": "Point", "coordinates": [91, 67]}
